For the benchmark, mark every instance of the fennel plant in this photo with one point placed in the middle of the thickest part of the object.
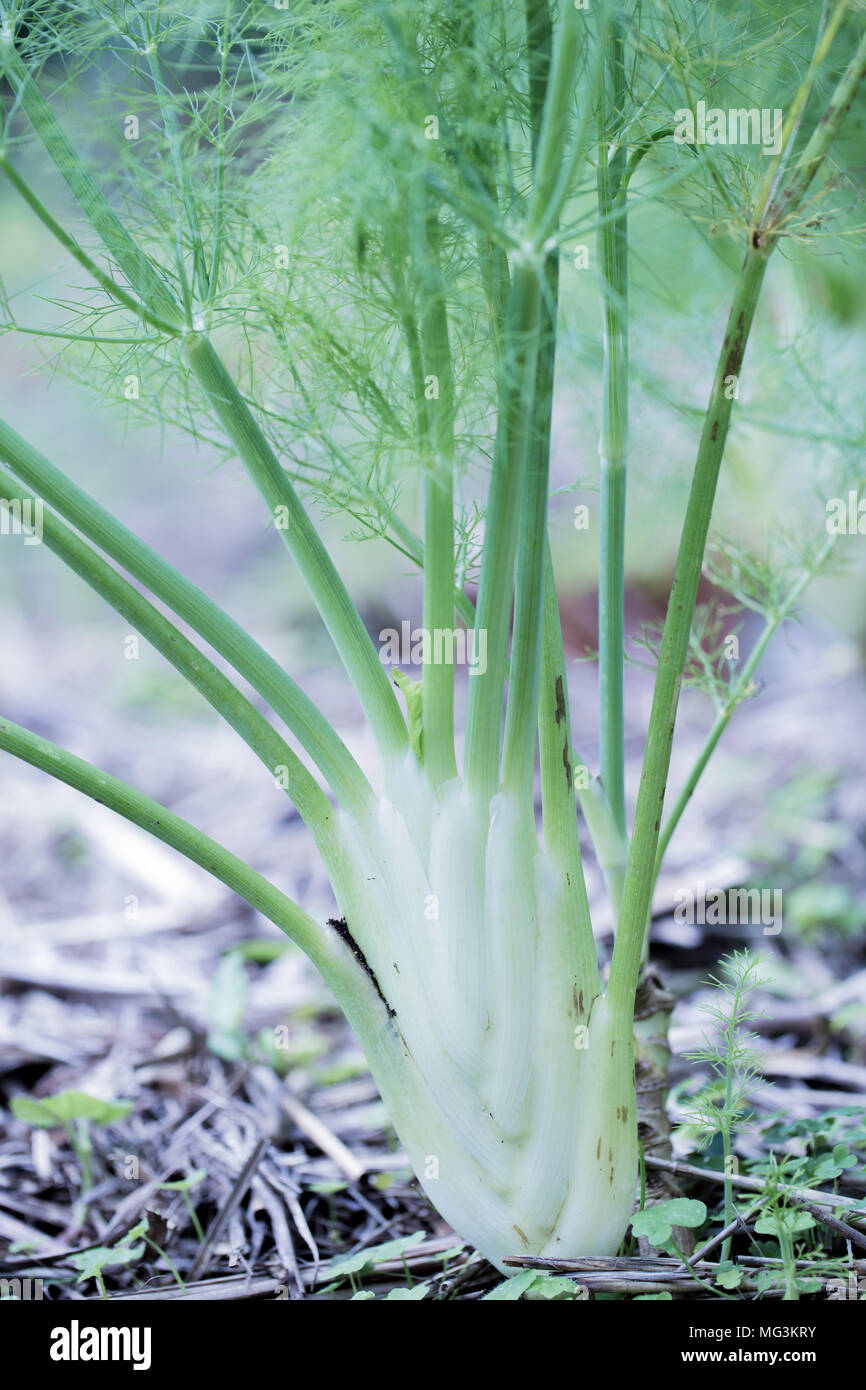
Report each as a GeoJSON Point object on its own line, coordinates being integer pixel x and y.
{"type": "Point", "coordinates": [473, 136]}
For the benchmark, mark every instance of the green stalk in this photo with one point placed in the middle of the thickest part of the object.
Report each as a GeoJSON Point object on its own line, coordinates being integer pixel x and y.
{"type": "Point", "coordinates": [225, 698]}
{"type": "Point", "coordinates": [496, 279]}
{"type": "Point", "coordinates": [539, 42]}
{"type": "Point", "coordinates": [559, 819]}
{"type": "Point", "coordinates": [563, 770]}
{"type": "Point", "coordinates": [610, 846]}
{"type": "Point", "coordinates": [438, 706]}
{"type": "Point", "coordinates": [226, 636]}
{"type": "Point", "coordinates": [549, 166]}
{"type": "Point", "coordinates": [225, 49]}
{"type": "Point", "coordinates": [493, 606]}
{"type": "Point", "coordinates": [567, 964]}
{"type": "Point", "coordinates": [337, 611]}
{"type": "Point", "coordinates": [549, 193]}
{"type": "Point", "coordinates": [554, 723]}
{"type": "Point", "coordinates": [636, 1003]}
{"type": "Point", "coordinates": [613, 445]}
{"type": "Point", "coordinates": [611, 634]}
{"type": "Point", "coordinates": [789, 1263]}
{"type": "Point", "coordinates": [438, 690]}
{"type": "Point", "coordinates": [520, 467]}
{"type": "Point", "coordinates": [555, 174]}
{"type": "Point", "coordinates": [518, 761]}
{"type": "Point", "coordinates": [637, 889]}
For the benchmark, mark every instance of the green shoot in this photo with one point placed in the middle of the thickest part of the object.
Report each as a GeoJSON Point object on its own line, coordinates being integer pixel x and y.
{"type": "Point", "coordinates": [723, 1102]}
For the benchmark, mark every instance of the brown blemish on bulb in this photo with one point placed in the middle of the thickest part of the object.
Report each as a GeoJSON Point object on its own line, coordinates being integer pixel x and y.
{"type": "Point", "coordinates": [341, 927]}
{"type": "Point", "coordinates": [559, 712]}
{"type": "Point", "coordinates": [524, 1238]}
{"type": "Point", "coordinates": [598, 1148]}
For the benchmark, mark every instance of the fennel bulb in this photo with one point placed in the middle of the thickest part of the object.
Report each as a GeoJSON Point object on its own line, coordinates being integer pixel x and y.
{"type": "Point", "coordinates": [519, 1116]}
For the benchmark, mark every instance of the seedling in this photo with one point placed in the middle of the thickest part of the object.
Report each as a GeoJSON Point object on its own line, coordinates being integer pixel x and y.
{"type": "Point", "coordinates": [75, 1112]}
